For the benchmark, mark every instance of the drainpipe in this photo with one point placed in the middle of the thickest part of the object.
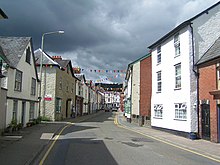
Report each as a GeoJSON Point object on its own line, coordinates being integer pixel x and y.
{"type": "Point", "coordinates": [197, 76]}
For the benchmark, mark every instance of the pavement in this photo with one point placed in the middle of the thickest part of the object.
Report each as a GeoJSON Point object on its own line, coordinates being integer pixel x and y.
{"type": "Point", "coordinates": [24, 146]}
{"type": "Point", "coordinates": [200, 147]}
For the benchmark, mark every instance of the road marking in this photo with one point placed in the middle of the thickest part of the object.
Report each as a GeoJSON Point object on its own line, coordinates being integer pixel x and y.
{"type": "Point", "coordinates": [163, 141]}
{"type": "Point", "coordinates": [50, 148]}
{"type": "Point", "coordinates": [47, 136]}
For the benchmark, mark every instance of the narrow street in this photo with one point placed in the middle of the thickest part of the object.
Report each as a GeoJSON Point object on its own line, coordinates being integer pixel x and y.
{"type": "Point", "coordinates": [99, 141]}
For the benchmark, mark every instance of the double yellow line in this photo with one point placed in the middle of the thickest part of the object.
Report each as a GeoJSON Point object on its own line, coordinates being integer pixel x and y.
{"type": "Point", "coordinates": [51, 146]}
{"type": "Point", "coordinates": [163, 141]}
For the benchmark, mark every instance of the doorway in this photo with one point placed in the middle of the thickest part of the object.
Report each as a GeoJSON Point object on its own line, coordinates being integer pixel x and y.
{"type": "Point", "coordinates": [23, 113]}
{"type": "Point", "coordinates": [218, 122]}
{"type": "Point", "coordinates": [205, 121]}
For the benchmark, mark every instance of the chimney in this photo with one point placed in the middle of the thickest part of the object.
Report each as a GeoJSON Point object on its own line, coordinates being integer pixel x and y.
{"type": "Point", "coordinates": [56, 57]}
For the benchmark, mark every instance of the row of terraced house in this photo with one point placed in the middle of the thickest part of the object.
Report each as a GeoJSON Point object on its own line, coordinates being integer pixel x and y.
{"type": "Point", "coordinates": [59, 95]}
{"type": "Point", "coordinates": [63, 94]}
{"type": "Point", "coordinates": [176, 87]}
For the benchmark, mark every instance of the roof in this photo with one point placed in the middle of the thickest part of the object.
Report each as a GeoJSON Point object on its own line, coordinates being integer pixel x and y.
{"type": "Point", "coordinates": [46, 59]}
{"type": "Point", "coordinates": [14, 48]}
{"type": "Point", "coordinates": [81, 77]}
{"type": "Point", "coordinates": [139, 59]}
{"type": "Point", "coordinates": [212, 54]}
{"type": "Point", "coordinates": [62, 63]}
{"type": "Point", "coordinates": [181, 26]}
{"type": "Point", "coordinates": [3, 15]}
{"type": "Point", "coordinates": [2, 56]}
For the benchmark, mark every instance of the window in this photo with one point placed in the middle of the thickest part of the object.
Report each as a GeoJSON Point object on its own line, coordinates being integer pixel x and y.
{"type": "Point", "coordinates": [177, 45]}
{"type": "Point", "coordinates": [58, 105]}
{"type": "Point", "coordinates": [33, 86]}
{"type": "Point", "coordinates": [159, 83]}
{"type": "Point", "coordinates": [18, 80]}
{"type": "Point", "coordinates": [72, 90]}
{"type": "Point", "coordinates": [31, 112]}
{"type": "Point", "coordinates": [178, 76]}
{"type": "Point", "coordinates": [15, 109]}
{"type": "Point", "coordinates": [60, 83]}
{"type": "Point", "coordinates": [67, 87]}
{"type": "Point", "coordinates": [28, 55]}
{"type": "Point", "coordinates": [158, 54]}
{"type": "Point", "coordinates": [158, 110]}
{"type": "Point", "coordinates": [180, 111]}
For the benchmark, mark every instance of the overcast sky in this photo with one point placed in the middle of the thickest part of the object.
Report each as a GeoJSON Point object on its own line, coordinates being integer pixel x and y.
{"type": "Point", "coordinates": [99, 34]}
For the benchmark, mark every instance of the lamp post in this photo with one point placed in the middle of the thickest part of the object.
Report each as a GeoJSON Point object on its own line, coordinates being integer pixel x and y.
{"type": "Point", "coordinates": [41, 63]}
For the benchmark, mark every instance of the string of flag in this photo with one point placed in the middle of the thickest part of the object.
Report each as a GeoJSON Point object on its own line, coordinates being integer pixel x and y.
{"type": "Point", "coordinates": [109, 78]}
{"type": "Point", "coordinates": [100, 70]}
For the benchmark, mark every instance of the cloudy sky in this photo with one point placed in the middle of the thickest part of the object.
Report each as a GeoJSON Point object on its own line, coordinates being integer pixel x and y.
{"type": "Point", "coordinates": [99, 34]}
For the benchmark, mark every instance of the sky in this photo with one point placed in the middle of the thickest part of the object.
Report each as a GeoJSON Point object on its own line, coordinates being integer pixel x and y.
{"type": "Point", "coordinates": [99, 35]}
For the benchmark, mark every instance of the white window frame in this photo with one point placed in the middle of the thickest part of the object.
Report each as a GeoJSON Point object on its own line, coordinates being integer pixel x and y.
{"type": "Point", "coordinates": [33, 86]}
{"type": "Point", "coordinates": [18, 81]}
{"type": "Point", "coordinates": [159, 81]}
{"type": "Point", "coordinates": [32, 109]}
{"type": "Point", "coordinates": [158, 55]}
{"type": "Point", "coordinates": [177, 44]}
{"type": "Point", "coordinates": [158, 110]}
{"type": "Point", "coordinates": [178, 76]}
{"type": "Point", "coordinates": [15, 110]}
{"type": "Point", "coordinates": [180, 111]}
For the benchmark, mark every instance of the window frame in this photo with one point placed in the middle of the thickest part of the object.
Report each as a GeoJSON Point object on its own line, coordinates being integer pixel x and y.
{"type": "Point", "coordinates": [180, 111]}
{"type": "Point", "coordinates": [158, 110]}
{"type": "Point", "coordinates": [58, 105]}
{"type": "Point", "coordinates": [33, 86]}
{"type": "Point", "coordinates": [18, 81]}
{"type": "Point", "coordinates": [15, 110]}
{"type": "Point", "coordinates": [178, 77]}
{"type": "Point", "coordinates": [31, 110]}
{"type": "Point", "coordinates": [158, 54]}
{"type": "Point", "coordinates": [28, 55]}
{"type": "Point", "coordinates": [159, 81]}
{"type": "Point", "coordinates": [176, 40]}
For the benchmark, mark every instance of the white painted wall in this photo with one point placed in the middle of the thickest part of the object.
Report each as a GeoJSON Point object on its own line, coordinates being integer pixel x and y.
{"type": "Point", "coordinates": [28, 72]}
{"type": "Point", "coordinates": [169, 96]}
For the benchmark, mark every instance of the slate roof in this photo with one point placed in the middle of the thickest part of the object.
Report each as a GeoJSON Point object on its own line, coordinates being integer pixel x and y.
{"type": "Point", "coordinates": [213, 53]}
{"type": "Point", "coordinates": [81, 77]}
{"type": "Point", "coordinates": [14, 48]}
{"type": "Point", "coordinates": [46, 59]}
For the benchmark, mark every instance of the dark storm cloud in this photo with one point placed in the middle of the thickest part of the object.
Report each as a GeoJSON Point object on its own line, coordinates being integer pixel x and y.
{"type": "Point", "coordinates": [104, 34]}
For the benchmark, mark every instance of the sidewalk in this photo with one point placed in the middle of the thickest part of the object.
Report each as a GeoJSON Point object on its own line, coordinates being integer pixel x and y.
{"type": "Point", "coordinates": [25, 145]}
{"type": "Point", "coordinates": [199, 146]}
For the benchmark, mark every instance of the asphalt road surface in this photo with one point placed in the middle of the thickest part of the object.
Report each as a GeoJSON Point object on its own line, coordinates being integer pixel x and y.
{"type": "Point", "coordinates": [99, 141]}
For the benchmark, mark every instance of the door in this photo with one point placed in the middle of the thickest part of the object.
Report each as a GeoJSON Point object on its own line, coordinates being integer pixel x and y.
{"type": "Point", "coordinates": [206, 121]}
{"type": "Point", "coordinates": [23, 113]}
{"type": "Point", "coordinates": [219, 123]}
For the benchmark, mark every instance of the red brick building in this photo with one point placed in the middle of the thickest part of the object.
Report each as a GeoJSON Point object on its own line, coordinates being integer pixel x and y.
{"type": "Point", "coordinates": [145, 88]}
{"type": "Point", "coordinates": [209, 94]}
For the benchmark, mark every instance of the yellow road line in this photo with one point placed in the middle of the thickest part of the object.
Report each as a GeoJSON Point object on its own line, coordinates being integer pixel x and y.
{"type": "Point", "coordinates": [171, 144]}
{"type": "Point", "coordinates": [51, 146]}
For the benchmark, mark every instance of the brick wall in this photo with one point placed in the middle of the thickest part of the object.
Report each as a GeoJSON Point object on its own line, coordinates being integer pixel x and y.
{"type": "Point", "coordinates": [145, 87]}
{"type": "Point", "coordinates": [207, 83]}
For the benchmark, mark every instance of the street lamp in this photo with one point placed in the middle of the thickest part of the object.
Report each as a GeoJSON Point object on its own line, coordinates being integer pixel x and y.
{"type": "Point", "coordinates": [41, 62]}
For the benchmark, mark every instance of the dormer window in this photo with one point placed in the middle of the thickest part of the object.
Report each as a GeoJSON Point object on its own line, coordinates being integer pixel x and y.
{"type": "Point", "coordinates": [28, 55]}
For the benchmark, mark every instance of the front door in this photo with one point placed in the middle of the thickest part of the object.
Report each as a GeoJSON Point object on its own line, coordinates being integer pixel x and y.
{"type": "Point", "coordinates": [23, 113]}
{"type": "Point", "coordinates": [219, 123]}
{"type": "Point", "coordinates": [206, 121]}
